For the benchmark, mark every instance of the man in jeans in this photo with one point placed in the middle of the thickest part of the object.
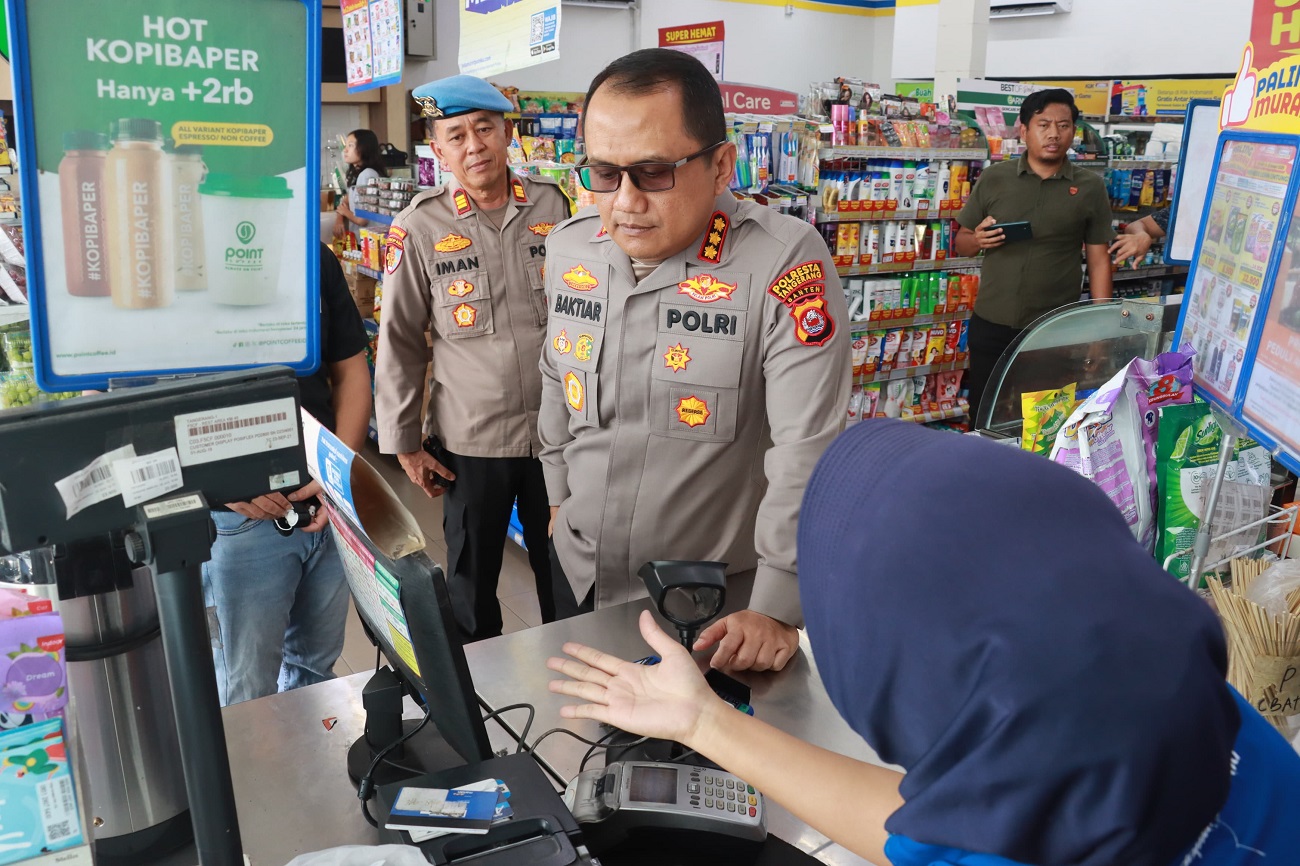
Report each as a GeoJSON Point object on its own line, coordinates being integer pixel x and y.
{"type": "Point", "coordinates": [1066, 208]}
{"type": "Point", "coordinates": [277, 605]}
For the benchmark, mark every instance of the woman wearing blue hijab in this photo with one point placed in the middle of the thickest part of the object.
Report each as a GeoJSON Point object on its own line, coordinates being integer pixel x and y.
{"type": "Point", "coordinates": [1055, 698]}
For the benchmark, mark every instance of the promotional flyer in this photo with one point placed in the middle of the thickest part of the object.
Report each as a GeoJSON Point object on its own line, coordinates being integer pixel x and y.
{"type": "Point", "coordinates": [1227, 280]}
{"type": "Point", "coordinates": [704, 42]}
{"type": "Point", "coordinates": [1273, 392]}
{"type": "Point", "coordinates": [372, 37]}
{"type": "Point", "coordinates": [498, 36]}
{"type": "Point", "coordinates": [168, 213]}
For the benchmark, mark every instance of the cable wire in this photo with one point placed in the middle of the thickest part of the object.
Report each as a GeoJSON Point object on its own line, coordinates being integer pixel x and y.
{"type": "Point", "coordinates": [365, 788]}
{"type": "Point", "coordinates": [528, 725]}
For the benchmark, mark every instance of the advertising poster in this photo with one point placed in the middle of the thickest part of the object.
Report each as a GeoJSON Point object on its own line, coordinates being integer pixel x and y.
{"type": "Point", "coordinates": [1162, 97]}
{"type": "Point", "coordinates": [1227, 279]}
{"type": "Point", "coordinates": [1273, 391]}
{"type": "Point", "coordinates": [372, 37]}
{"type": "Point", "coordinates": [498, 36]}
{"type": "Point", "coordinates": [843, 7]}
{"type": "Point", "coordinates": [1274, 31]}
{"type": "Point", "coordinates": [1092, 96]}
{"type": "Point", "coordinates": [704, 42]}
{"type": "Point", "coordinates": [170, 187]}
{"type": "Point", "coordinates": [975, 95]}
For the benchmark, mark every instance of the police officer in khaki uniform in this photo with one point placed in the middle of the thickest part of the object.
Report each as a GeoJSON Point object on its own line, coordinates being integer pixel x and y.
{"type": "Point", "coordinates": [464, 262]}
{"type": "Point", "coordinates": [696, 361]}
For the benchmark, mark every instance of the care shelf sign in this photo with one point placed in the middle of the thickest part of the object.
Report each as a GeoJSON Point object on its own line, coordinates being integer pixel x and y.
{"type": "Point", "coordinates": [499, 36]}
{"type": "Point", "coordinates": [170, 185]}
{"type": "Point", "coordinates": [372, 38]}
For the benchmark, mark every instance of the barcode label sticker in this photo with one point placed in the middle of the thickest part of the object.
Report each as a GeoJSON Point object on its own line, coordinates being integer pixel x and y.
{"type": "Point", "coordinates": [147, 477]}
{"type": "Point", "coordinates": [58, 809]}
{"type": "Point", "coordinates": [256, 428]}
{"type": "Point", "coordinates": [94, 484]}
{"type": "Point", "coordinates": [168, 507]}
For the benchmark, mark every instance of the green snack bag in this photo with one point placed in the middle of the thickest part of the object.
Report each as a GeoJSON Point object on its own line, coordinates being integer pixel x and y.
{"type": "Point", "coordinates": [1187, 459]}
{"type": "Point", "coordinates": [1045, 412]}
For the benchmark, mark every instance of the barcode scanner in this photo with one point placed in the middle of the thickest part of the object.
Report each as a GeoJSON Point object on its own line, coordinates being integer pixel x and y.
{"type": "Point", "coordinates": [295, 517]}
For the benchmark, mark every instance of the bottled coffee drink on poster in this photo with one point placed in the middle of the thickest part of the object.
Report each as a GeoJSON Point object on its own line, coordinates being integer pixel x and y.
{"type": "Point", "coordinates": [81, 199]}
{"type": "Point", "coordinates": [137, 186]}
{"type": "Point", "coordinates": [187, 173]}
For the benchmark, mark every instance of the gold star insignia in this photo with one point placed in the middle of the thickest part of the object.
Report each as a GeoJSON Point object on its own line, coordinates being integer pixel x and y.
{"type": "Point", "coordinates": [715, 238]}
{"type": "Point", "coordinates": [710, 252]}
{"type": "Point", "coordinates": [719, 224]}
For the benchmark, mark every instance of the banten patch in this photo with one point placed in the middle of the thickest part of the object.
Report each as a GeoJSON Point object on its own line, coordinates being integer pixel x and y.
{"type": "Point", "coordinates": [794, 284]}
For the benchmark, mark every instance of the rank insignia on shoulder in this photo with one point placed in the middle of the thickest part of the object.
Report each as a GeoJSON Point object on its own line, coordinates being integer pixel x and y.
{"type": "Point", "coordinates": [573, 392]}
{"type": "Point", "coordinates": [461, 199]}
{"type": "Point", "coordinates": [715, 238]}
{"type": "Point", "coordinates": [453, 243]}
{"type": "Point", "coordinates": [580, 279]}
{"type": "Point", "coordinates": [465, 315]}
{"type": "Point", "coordinates": [692, 411]}
{"type": "Point", "coordinates": [705, 288]}
{"type": "Point", "coordinates": [517, 187]}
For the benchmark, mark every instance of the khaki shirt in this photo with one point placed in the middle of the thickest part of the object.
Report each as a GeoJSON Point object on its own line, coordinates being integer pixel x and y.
{"type": "Point", "coordinates": [478, 291]}
{"type": "Point", "coordinates": [1023, 280]}
{"type": "Point", "coordinates": [682, 416]}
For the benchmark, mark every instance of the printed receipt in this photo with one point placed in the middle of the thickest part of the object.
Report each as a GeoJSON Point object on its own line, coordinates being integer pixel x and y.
{"type": "Point", "coordinates": [255, 428]}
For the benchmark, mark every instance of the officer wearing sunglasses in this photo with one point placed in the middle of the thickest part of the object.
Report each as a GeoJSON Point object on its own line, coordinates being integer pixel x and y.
{"type": "Point", "coordinates": [696, 362]}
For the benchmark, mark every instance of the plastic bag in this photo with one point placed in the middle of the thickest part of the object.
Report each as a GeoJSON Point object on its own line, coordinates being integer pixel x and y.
{"type": "Point", "coordinates": [363, 855]}
{"type": "Point", "coordinates": [1271, 589]}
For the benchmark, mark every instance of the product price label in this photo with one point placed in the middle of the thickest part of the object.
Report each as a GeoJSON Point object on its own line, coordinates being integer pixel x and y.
{"type": "Point", "coordinates": [175, 188]}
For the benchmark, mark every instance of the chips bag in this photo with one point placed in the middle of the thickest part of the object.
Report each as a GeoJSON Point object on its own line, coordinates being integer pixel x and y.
{"type": "Point", "coordinates": [1045, 413]}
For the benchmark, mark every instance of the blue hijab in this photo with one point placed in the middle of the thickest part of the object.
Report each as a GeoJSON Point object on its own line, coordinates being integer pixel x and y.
{"type": "Point", "coordinates": [985, 619]}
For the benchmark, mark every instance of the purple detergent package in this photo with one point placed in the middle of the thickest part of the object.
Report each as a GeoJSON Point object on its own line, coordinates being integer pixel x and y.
{"type": "Point", "coordinates": [33, 670]}
{"type": "Point", "coordinates": [1111, 437]}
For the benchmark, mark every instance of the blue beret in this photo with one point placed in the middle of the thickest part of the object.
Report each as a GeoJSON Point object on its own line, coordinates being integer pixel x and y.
{"type": "Point", "coordinates": [459, 94]}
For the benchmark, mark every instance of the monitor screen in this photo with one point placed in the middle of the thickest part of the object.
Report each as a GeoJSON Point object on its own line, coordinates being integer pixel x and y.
{"type": "Point", "coordinates": [405, 607]}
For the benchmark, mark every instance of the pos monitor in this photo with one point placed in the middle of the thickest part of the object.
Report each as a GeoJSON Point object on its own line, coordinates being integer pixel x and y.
{"type": "Point", "coordinates": [406, 611]}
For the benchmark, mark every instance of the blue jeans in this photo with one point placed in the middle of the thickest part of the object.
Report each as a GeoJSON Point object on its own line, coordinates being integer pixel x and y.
{"type": "Point", "coordinates": [277, 607]}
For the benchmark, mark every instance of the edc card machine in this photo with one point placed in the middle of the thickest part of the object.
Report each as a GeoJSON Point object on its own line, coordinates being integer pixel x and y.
{"type": "Point", "coordinates": [668, 805]}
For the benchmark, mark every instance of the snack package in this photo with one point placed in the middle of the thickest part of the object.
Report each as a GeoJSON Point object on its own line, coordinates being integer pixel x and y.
{"type": "Point", "coordinates": [33, 669]}
{"type": "Point", "coordinates": [36, 788]}
{"type": "Point", "coordinates": [1111, 436]}
{"type": "Point", "coordinates": [1044, 414]}
{"type": "Point", "coordinates": [1187, 453]}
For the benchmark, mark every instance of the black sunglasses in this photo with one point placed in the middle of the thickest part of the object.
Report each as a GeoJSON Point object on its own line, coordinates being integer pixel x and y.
{"type": "Point", "coordinates": [645, 176]}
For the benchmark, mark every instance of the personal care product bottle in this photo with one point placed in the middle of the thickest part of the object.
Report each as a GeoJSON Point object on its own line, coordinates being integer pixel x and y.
{"type": "Point", "coordinates": [874, 245]}
{"type": "Point", "coordinates": [907, 197]}
{"type": "Point", "coordinates": [137, 186]}
{"type": "Point", "coordinates": [921, 185]}
{"type": "Point", "coordinates": [896, 181]}
{"type": "Point", "coordinates": [187, 173]}
{"type": "Point", "coordinates": [83, 206]}
{"type": "Point", "coordinates": [944, 190]}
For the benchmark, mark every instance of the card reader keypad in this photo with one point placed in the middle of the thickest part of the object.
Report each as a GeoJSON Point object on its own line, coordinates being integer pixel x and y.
{"type": "Point", "coordinates": [723, 794]}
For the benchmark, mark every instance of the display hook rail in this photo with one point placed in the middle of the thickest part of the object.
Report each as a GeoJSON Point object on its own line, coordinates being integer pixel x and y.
{"type": "Point", "coordinates": [1284, 517]}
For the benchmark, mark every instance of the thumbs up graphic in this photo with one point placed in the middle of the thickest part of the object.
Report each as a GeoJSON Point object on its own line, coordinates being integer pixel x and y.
{"type": "Point", "coordinates": [1240, 97]}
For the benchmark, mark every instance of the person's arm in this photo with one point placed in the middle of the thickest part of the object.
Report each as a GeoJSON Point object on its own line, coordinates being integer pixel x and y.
{"type": "Point", "coordinates": [846, 799]}
{"type": "Point", "coordinates": [403, 360]}
{"type": "Point", "coordinates": [807, 381]}
{"type": "Point", "coordinates": [351, 398]}
{"type": "Point", "coordinates": [1100, 285]}
{"type": "Point", "coordinates": [973, 234]}
{"type": "Point", "coordinates": [1136, 240]}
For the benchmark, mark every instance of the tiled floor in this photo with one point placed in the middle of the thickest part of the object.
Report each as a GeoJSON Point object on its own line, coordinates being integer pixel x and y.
{"type": "Point", "coordinates": [519, 608]}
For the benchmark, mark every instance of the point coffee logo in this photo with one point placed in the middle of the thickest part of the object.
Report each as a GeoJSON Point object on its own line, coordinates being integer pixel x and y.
{"type": "Point", "coordinates": [244, 257]}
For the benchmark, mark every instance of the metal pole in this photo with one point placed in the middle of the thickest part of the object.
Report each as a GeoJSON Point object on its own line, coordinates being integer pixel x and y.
{"type": "Point", "coordinates": [206, 762]}
{"type": "Point", "coordinates": [1232, 431]}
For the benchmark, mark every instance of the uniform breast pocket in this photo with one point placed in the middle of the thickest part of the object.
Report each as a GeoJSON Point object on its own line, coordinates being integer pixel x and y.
{"type": "Point", "coordinates": [533, 253]}
{"type": "Point", "coordinates": [695, 387]}
{"type": "Point", "coordinates": [463, 305]}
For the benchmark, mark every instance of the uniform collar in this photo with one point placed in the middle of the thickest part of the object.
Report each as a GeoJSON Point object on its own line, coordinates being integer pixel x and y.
{"type": "Point", "coordinates": [464, 206]}
{"type": "Point", "coordinates": [711, 248]}
{"type": "Point", "coordinates": [1066, 170]}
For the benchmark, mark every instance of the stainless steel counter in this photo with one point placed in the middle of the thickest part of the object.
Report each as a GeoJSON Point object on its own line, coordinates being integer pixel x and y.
{"type": "Point", "coordinates": [288, 752]}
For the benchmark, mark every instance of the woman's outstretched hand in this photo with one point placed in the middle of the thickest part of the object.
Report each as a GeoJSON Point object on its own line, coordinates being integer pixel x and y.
{"type": "Point", "coordinates": [668, 700]}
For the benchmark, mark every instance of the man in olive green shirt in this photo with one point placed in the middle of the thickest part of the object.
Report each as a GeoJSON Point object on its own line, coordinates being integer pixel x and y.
{"type": "Point", "coordinates": [1066, 208]}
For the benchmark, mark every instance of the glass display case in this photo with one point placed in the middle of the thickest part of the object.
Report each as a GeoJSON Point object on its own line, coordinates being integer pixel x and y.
{"type": "Point", "coordinates": [1085, 343]}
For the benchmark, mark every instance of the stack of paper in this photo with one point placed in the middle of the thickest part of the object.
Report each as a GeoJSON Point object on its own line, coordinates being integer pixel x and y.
{"type": "Point", "coordinates": [429, 812]}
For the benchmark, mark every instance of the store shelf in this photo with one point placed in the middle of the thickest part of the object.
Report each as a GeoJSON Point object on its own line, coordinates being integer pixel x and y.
{"type": "Point", "coordinates": [362, 269]}
{"type": "Point", "coordinates": [12, 314]}
{"type": "Point", "coordinates": [861, 325]}
{"type": "Point", "coordinates": [909, 372]}
{"type": "Point", "coordinates": [905, 267]}
{"type": "Point", "coordinates": [1153, 271]}
{"type": "Point", "coordinates": [1142, 162]}
{"type": "Point", "coordinates": [888, 216]}
{"type": "Point", "coordinates": [864, 152]}
{"type": "Point", "coordinates": [371, 216]}
{"type": "Point", "coordinates": [961, 410]}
